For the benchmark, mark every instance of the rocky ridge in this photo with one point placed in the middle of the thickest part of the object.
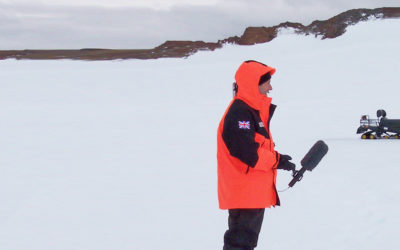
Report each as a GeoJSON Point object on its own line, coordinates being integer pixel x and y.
{"type": "Point", "coordinates": [331, 28]}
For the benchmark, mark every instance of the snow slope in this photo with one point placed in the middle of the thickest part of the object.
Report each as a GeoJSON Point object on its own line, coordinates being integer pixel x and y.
{"type": "Point", "coordinates": [122, 154]}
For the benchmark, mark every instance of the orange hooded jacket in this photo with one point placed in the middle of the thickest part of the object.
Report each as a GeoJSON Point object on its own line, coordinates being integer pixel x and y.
{"type": "Point", "coordinates": [246, 156]}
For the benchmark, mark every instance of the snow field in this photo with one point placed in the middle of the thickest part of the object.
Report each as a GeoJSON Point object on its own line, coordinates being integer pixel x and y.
{"type": "Point", "coordinates": [122, 154]}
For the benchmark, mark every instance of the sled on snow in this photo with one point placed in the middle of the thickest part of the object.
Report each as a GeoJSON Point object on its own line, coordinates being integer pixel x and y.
{"type": "Point", "coordinates": [380, 128]}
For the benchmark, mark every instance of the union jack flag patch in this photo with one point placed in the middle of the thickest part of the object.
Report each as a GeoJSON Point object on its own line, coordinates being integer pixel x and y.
{"type": "Point", "coordinates": [244, 124]}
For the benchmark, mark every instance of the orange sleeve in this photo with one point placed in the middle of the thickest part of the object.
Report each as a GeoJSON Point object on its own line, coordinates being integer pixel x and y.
{"type": "Point", "coordinates": [267, 160]}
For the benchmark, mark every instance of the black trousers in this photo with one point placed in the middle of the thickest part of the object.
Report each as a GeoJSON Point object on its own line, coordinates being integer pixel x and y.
{"type": "Point", "coordinates": [244, 228]}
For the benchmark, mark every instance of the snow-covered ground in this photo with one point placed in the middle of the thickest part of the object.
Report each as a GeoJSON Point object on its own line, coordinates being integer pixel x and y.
{"type": "Point", "coordinates": [122, 155]}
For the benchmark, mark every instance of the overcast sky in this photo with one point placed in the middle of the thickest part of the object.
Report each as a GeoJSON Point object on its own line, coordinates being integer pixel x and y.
{"type": "Point", "coordinates": [75, 24]}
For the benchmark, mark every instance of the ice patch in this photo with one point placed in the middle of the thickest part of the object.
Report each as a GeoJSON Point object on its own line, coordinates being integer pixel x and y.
{"type": "Point", "coordinates": [287, 31]}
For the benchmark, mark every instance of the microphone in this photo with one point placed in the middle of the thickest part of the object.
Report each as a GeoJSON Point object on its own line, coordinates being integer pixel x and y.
{"type": "Point", "coordinates": [310, 160]}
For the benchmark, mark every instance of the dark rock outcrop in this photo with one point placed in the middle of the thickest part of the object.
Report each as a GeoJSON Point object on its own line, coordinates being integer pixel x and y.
{"type": "Point", "coordinates": [331, 28]}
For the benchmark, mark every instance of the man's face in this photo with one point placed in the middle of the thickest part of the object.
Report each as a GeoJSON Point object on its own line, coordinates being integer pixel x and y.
{"type": "Point", "coordinates": [265, 87]}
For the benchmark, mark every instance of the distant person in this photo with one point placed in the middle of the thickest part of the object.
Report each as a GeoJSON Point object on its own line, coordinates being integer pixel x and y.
{"type": "Point", "coordinates": [247, 160]}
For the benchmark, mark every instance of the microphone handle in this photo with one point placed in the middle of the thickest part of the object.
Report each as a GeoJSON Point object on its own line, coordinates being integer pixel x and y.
{"type": "Point", "coordinates": [297, 176]}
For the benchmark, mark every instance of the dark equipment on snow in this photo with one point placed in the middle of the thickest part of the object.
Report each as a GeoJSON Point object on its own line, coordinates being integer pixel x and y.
{"type": "Point", "coordinates": [310, 161]}
{"type": "Point", "coordinates": [379, 128]}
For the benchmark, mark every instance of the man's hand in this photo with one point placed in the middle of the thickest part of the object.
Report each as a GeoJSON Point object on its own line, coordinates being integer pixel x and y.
{"type": "Point", "coordinates": [285, 164]}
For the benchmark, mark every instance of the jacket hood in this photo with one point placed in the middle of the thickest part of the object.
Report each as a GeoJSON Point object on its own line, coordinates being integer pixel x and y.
{"type": "Point", "coordinates": [247, 78]}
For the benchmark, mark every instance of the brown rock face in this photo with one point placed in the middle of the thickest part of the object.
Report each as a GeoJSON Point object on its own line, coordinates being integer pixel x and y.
{"type": "Point", "coordinates": [183, 48]}
{"type": "Point", "coordinates": [253, 35]}
{"type": "Point", "coordinates": [336, 26]}
{"type": "Point", "coordinates": [331, 28]}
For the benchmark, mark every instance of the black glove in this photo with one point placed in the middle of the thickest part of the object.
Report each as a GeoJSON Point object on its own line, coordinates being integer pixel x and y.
{"type": "Point", "coordinates": [285, 164]}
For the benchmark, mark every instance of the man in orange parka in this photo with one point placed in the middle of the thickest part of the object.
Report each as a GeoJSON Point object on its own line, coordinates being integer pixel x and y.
{"type": "Point", "coordinates": [247, 160]}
